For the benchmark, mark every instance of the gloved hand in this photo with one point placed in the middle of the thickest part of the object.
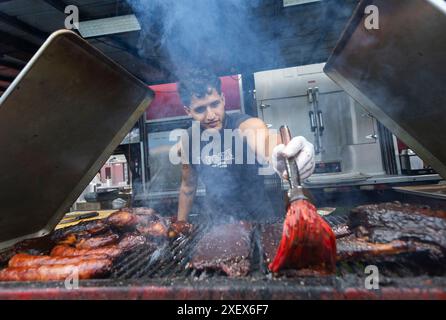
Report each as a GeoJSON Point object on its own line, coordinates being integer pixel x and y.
{"type": "Point", "coordinates": [305, 157]}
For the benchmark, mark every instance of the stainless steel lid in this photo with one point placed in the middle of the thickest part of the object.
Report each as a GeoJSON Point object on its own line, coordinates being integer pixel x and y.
{"type": "Point", "coordinates": [60, 119]}
{"type": "Point", "coordinates": [398, 72]}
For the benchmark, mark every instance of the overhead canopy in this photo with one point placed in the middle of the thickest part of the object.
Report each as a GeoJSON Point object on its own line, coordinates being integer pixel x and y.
{"type": "Point", "coordinates": [228, 37]}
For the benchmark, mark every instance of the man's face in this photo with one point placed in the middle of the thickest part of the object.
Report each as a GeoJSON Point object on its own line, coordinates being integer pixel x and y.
{"type": "Point", "coordinates": [209, 110]}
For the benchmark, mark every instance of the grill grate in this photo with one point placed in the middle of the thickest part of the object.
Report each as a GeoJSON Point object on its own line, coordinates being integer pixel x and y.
{"type": "Point", "coordinates": [170, 260]}
{"type": "Point", "coordinates": [167, 260]}
{"type": "Point", "coordinates": [168, 264]}
{"type": "Point", "coordinates": [174, 263]}
{"type": "Point", "coordinates": [336, 220]}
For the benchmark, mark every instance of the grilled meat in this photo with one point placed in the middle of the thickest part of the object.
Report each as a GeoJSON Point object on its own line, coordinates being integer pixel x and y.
{"type": "Point", "coordinates": [27, 260]}
{"type": "Point", "coordinates": [126, 220]}
{"type": "Point", "coordinates": [127, 242]}
{"type": "Point", "coordinates": [405, 208]}
{"type": "Point", "coordinates": [341, 230]}
{"type": "Point", "coordinates": [84, 228]}
{"type": "Point", "coordinates": [97, 242]}
{"type": "Point", "coordinates": [270, 239]}
{"type": "Point", "coordinates": [347, 247]}
{"type": "Point", "coordinates": [112, 251]}
{"type": "Point", "coordinates": [143, 220]}
{"type": "Point", "coordinates": [94, 234]}
{"type": "Point", "coordinates": [157, 229]}
{"type": "Point", "coordinates": [178, 228]}
{"type": "Point", "coordinates": [225, 248]}
{"type": "Point", "coordinates": [351, 247]}
{"type": "Point", "coordinates": [40, 245]}
{"type": "Point", "coordinates": [122, 219]}
{"type": "Point", "coordinates": [69, 240]}
{"type": "Point", "coordinates": [387, 222]}
{"type": "Point", "coordinates": [131, 241]}
{"type": "Point", "coordinates": [85, 269]}
{"type": "Point", "coordinates": [84, 240]}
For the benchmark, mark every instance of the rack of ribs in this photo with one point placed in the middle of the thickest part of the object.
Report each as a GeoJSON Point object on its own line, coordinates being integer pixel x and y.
{"type": "Point", "coordinates": [224, 248]}
{"type": "Point", "coordinates": [84, 229]}
{"type": "Point", "coordinates": [130, 241]}
{"type": "Point", "coordinates": [146, 222]}
{"type": "Point", "coordinates": [122, 219]}
{"type": "Point", "coordinates": [98, 241]}
{"type": "Point", "coordinates": [28, 260]}
{"type": "Point", "coordinates": [84, 269]}
{"type": "Point", "coordinates": [352, 248]}
{"type": "Point", "coordinates": [270, 237]}
{"type": "Point", "coordinates": [88, 247]}
{"type": "Point", "coordinates": [112, 251]}
{"type": "Point", "coordinates": [129, 220]}
{"type": "Point", "coordinates": [406, 208]}
{"type": "Point", "coordinates": [387, 222]}
{"type": "Point", "coordinates": [82, 241]}
{"type": "Point", "coordinates": [127, 242]}
{"type": "Point", "coordinates": [349, 247]}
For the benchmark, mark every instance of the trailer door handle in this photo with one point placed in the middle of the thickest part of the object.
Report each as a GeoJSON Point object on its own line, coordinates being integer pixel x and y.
{"type": "Point", "coordinates": [313, 124]}
{"type": "Point", "coordinates": [372, 136]}
{"type": "Point", "coordinates": [310, 95]}
{"type": "Point", "coordinates": [316, 94]}
{"type": "Point", "coordinates": [321, 122]}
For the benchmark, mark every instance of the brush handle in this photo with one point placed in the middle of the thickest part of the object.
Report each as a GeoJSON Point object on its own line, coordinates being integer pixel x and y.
{"type": "Point", "coordinates": [291, 165]}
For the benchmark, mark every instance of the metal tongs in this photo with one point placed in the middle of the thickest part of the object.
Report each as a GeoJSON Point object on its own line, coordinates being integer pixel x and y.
{"type": "Point", "coordinates": [296, 191]}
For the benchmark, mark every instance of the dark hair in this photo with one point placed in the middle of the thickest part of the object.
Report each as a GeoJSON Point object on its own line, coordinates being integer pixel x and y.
{"type": "Point", "coordinates": [199, 83]}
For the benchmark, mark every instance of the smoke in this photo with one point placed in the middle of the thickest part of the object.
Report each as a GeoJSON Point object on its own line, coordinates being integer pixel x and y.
{"type": "Point", "coordinates": [224, 36]}
{"type": "Point", "coordinates": [231, 36]}
{"type": "Point", "coordinates": [205, 34]}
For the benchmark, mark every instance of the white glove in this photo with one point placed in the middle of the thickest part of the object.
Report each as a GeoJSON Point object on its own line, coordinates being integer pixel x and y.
{"type": "Point", "coordinates": [305, 157]}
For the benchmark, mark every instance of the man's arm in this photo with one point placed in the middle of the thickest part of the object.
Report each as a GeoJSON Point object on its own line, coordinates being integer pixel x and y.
{"type": "Point", "coordinates": [268, 148]}
{"type": "Point", "coordinates": [187, 191]}
{"type": "Point", "coordinates": [259, 139]}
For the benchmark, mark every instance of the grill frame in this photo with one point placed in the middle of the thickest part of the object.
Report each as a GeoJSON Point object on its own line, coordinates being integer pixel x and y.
{"type": "Point", "coordinates": [166, 277]}
{"type": "Point", "coordinates": [183, 289]}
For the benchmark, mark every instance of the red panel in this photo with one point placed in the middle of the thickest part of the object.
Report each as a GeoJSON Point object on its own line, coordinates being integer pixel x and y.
{"type": "Point", "coordinates": [401, 145]}
{"type": "Point", "coordinates": [167, 101]}
{"type": "Point", "coordinates": [218, 292]}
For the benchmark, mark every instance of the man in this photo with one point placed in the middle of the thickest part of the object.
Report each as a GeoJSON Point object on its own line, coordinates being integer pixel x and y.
{"type": "Point", "coordinates": [232, 189]}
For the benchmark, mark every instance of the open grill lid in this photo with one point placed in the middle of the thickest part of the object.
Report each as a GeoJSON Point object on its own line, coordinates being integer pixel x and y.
{"type": "Point", "coordinates": [398, 71]}
{"type": "Point", "coordinates": [60, 120]}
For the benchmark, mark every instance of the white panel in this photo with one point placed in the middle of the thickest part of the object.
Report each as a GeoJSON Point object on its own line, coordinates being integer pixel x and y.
{"type": "Point", "coordinates": [287, 3]}
{"type": "Point", "coordinates": [99, 27]}
{"type": "Point", "coordinates": [290, 82]}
